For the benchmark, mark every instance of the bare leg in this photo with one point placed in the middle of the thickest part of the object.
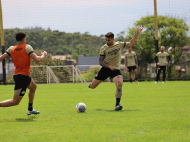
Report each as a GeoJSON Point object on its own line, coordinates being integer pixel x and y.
{"type": "Point", "coordinates": [94, 83]}
{"type": "Point", "coordinates": [129, 75]}
{"type": "Point", "coordinates": [12, 102]}
{"type": "Point", "coordinates": [118, 80]}
{"type": "Point", "coordinates": [130, 79]}
{"type": "Point", "coordinates": [136, 75]}
{"type": "Point", "coordinates": [32, 87]}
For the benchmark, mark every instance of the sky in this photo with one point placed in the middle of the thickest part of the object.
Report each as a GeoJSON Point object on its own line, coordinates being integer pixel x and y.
{"type": "Point", "coordinates": [96, 17]}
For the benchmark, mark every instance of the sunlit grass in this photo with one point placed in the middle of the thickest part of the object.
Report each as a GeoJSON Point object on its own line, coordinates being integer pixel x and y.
{"type": "Point", "coordinates": [151, 113]}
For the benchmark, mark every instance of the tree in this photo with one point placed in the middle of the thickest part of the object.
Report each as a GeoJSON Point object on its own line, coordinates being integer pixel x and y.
{"type": "Point", "coordinates": [172, 33]}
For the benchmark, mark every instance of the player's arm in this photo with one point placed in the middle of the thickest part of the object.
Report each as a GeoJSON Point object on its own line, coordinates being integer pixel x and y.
{"type": "Point", "coordinates": [126, 63]}
{"type": "Point", "coordinates": [136, 61]}
{"type": "Point", "coordinates": [133, 40]}
{"type": "Point", "coordinates": [37, 58]}
{"type": "Point", "coordinates": [104, 64]}
{"type": "Point", "coordinates": [169, 58]}
{"type": "Point", "coordinates": [5, 55]}
{"type": "Point", "coordinates": [156, 60]}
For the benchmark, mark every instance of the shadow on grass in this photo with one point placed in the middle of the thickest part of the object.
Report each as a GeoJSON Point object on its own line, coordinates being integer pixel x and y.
{"type": "Point", "coordinates": [115, 111]}
{"type": "Point", "coordinates": [29, 119]}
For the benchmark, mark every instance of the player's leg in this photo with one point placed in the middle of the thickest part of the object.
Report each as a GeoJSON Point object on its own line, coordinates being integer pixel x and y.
{"type": "Point", "coordinates": [102, 75]}
{"type": "Point", "coordinates": [32, 89]}
{"type": "Point", "coordinates": [164, 74]}
{"type": "Point", "coordinates": [136, 75]}
{"type": "Point", "coordinates": [158, 74]}
{"type": "Point", "coordinates": [94, 83]}
{"type": "Point", "coordinates": [130, 72]}
{"type": "Point", "coordinates": [130, 78]}
{"type": "Point", "coordinates": [118, 80]}
{"type": "Point", "coordinates": [19, 92]}
{"type": "Point", "coordinates": [12, 102]}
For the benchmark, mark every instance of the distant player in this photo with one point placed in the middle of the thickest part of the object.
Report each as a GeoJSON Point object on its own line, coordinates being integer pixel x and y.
{"type": "Point", "coordinates": [131, 63]}
{"type": "Point", "coordinates": [110, 59]}
{"type": "Point", "coordinates": [21, 54]}
{"type": "Point", "coordinates": [162, 58]}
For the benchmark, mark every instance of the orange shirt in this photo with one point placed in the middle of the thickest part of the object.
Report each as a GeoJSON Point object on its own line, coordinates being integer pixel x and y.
{"type": "Point", "coordinates": [21, 60]}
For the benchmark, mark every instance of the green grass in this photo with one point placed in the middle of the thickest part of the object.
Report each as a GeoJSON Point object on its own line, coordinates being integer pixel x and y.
{"type": "Point", "coordinates": [151, 113]}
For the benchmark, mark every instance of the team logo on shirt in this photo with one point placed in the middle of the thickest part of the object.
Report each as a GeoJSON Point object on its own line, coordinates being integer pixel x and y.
{"type": "Point", "coordinates": [162, 57]}
{"type": "Point", "coordinates": [130, 57]}
{"type": "Point", "coordinates": [18, 49]}
{"type": "Point", "coordinates": [114, 52]}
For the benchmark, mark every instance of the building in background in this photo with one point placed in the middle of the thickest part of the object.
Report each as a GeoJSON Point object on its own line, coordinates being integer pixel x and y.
{"type": "Point", "coordinates": [66, 58]}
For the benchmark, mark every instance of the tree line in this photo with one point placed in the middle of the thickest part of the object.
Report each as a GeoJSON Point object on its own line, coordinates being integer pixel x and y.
{"type": "Point", "coordinates": [57, 42]}
{"type": "Point", "coordinates": [173, 32]}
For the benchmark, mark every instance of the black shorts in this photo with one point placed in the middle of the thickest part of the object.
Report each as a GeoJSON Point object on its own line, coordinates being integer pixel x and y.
{"type": "Point", "coordinates": [107, 72]}
{"type": "Point", "coordinates": [162, 68]}
{"type": "Point", "coordinates": [21, 84]}
{"type": "Point", "coordinates": [131, 68]}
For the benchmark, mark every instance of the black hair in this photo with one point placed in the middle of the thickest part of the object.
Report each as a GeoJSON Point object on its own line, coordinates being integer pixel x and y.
{"type": "Point", "coordinates": [109, 35]}
{"type": "Point", "coordinates": [19, 36]}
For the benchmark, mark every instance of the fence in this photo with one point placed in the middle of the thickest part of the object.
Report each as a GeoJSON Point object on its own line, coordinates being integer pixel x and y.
{"type": "Point", "coordinates": [86, 73]}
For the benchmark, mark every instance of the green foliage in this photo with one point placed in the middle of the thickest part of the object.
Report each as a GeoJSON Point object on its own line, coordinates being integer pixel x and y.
{"type": "Point", "coordinates": [172, 33]}
{"type": "Point", "coordinates": [184, 77]}
{"type": "Point", "coordinates": [91, 73]}
{"type": "Point", "coordinates": [63, 74]}
{"type": "Point", "coordinates": [56, 43]}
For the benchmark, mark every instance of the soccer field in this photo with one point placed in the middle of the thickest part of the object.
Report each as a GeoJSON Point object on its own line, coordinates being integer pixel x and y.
{"type": "Point", "coordinates": [151, 113]}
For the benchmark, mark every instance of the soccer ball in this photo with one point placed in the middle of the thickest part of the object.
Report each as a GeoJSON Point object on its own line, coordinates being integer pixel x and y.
{"type": "Point", "coordinates": [80, 107]}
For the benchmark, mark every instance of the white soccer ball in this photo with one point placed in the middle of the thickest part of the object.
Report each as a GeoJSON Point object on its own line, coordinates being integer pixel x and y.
{"type": "Point", "coordinates": [80, 107]}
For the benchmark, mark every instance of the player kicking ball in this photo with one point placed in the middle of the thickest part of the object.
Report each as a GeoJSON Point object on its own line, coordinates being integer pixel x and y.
{"type": "Point", "coordinates": [131, 63]}
{"type": "Point", "coordinates": [110, 59]}
{"type": "Point", "coordinates": [21, 55]}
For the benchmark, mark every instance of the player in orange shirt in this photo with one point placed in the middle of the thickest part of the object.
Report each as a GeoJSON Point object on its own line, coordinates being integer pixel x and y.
{"type": "Point", "coordinates": [21, 55]}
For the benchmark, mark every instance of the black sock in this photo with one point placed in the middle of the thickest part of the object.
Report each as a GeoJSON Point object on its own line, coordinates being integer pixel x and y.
{"type": "Point", "coordinates": [136, 79]}
{"type": "Point", "coordinates": [130, 80]}
{"type": "Point", "coordinates": [117, 101]}
{"type": "Point", "coordinates": [89, 86]}
{"type": "Point", "coordinates": [30, 106]}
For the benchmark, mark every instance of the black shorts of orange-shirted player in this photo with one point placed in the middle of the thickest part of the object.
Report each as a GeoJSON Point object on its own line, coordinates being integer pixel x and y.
{"type": "Point", "coordinates": [110, 58]}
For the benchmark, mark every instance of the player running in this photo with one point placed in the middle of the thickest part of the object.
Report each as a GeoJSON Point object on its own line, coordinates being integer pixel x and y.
{"type": "Point", "coordinates": [131, 63]}
{"type": "Point", "coordinates": [110, 59]}
{"type": "Point", "coordinates": [21, 55]}
{"type": "Point", "coordinates": [162, 58]}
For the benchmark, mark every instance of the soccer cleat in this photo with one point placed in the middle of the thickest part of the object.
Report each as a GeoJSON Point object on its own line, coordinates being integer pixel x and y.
{"type": "Point", "coordinates": [32, 112]}
{"type": "Point", "coordinates": [163, 82]}
{"type": "Point", "coordinates": [156, 82]}
{"type": "Point", "coordinates": [118, 107]}
{"type": "Point", "coordinates": [137, 82]}
{"type": "Point", "coordinates": [130, 81]}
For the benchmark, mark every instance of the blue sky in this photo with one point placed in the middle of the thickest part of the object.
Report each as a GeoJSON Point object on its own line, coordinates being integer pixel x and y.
{"type": "Point", "coordinates": [94, 16]}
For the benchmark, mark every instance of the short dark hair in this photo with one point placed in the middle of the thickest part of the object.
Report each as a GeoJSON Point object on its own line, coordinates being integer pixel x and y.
{"type": "Point", "coordinates": [109, 35]}
{"type": "Point", "coordinates": [19, 36]}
